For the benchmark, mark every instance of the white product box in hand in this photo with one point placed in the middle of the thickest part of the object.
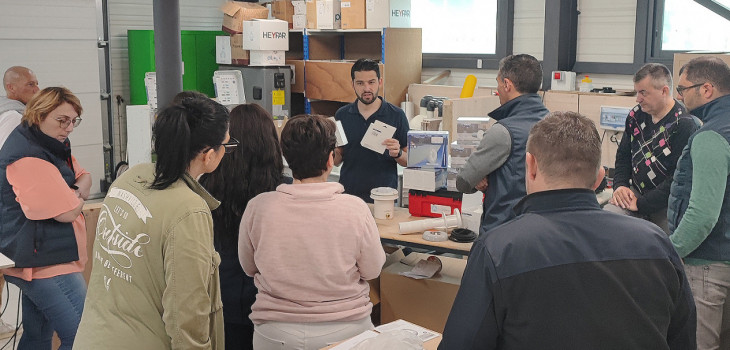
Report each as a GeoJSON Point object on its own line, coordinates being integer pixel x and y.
{"type": "Point", "coordinates": [266, 58]}
{"type": "Point", "coordinates": [471, 128]}
{"type": "Point", "coordinates": [424, 179]}
{"type": "Point", "coordinates": [266, 34]}
{"type": "Point", "coordinates": [300, 7]}
{"type": "Point", "coordinates": [428, 149]}
{"type": "Point", "coordinates": [328, 14]}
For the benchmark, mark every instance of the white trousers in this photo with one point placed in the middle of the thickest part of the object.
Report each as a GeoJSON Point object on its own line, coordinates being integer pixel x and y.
{"type": "Point", "coordinates": [306, 336]}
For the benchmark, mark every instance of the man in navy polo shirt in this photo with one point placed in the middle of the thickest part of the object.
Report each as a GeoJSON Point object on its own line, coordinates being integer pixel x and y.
{"type": "Point", "coordinates": [364, 169]}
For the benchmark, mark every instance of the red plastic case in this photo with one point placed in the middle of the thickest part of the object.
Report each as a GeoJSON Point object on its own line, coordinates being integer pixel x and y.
{"type": "Point", "coordinates": [434, 204]}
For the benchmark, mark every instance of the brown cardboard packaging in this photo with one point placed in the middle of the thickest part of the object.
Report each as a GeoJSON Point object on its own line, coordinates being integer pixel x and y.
{"type": "Point", "coordinates": [239, 56]}
{"type": "Point", "coordinates": [353, 14]}
{"type": "Point", "coordinates": [283, 10]}
{"type": "Point", "coordinates": [681, 59]}
{"type": "Point", "coordinates": [311, 14]}
{"type": "Point", "coordinates": [234, 13]}
{"type": "Point", "coordinates": [426, 302]}
{"type": "Point", "coordinates": [298, 69]}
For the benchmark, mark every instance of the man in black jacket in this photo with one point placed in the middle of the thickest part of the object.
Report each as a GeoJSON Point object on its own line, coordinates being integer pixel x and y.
{"type": "Point", "coordinates": [657, 130]}
{"type": "Point", "coordinates": [565, 274]}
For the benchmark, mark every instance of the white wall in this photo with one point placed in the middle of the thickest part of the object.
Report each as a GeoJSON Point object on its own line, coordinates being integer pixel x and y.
{"type": "Point", "coordinates": [58, 41]}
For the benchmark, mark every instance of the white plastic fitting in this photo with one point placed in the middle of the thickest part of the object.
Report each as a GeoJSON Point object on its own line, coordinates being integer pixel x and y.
{"type": "Point", "coordinates": [444, 222]}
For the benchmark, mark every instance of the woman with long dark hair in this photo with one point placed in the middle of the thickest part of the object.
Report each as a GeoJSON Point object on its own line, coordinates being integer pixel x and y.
{"type": "Point", "coordinates": [155, 281]}
{"type": "Point", "coordinates": [254, 167]}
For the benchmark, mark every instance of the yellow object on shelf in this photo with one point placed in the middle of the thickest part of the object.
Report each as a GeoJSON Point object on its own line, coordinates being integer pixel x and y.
{"type": "Point", "coordinates": [469, 84]}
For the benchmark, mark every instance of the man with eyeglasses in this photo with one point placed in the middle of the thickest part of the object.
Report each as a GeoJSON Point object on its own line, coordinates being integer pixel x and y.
{"type": "Point", "coordinates": [657, 129]}
{"type": "Point", "coordinates": [699, 201]}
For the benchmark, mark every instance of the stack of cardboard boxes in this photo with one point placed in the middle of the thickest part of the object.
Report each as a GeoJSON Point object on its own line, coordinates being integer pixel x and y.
{"type": "Point", "coordinates": [469, 133]}
{"type": "Point", "coordinates": [344, 14]}
{"type": "Point", "coordinates": [229, 49]}
{"type": "Point", "coordinates": [267, 40]}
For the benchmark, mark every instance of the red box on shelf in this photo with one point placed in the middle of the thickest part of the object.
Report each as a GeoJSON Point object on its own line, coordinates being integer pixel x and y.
{"type": "Point", "coordinates": [434, 204]}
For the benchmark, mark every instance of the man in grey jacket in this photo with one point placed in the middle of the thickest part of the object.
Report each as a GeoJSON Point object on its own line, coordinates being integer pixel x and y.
{"type": "Point", "coordinates": [497, 167]}
{"type": "Point", "coordinates": [20, 85]}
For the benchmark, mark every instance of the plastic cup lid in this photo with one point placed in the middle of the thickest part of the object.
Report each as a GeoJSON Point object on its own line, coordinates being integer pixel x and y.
{"type": "Point", "coordinates": [384, 191]}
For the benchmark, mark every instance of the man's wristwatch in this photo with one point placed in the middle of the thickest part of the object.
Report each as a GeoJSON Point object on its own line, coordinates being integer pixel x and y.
{"type": "Point", "coordinates": [400, 153]}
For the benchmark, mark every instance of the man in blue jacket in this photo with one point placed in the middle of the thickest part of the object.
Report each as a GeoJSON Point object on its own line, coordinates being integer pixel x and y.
{"type": "Point", "coordinates": [497, 167]}
{"type": "Point", "coordinates": [565, 274]}
{"type": "Point", "coordinates": [699, 201]}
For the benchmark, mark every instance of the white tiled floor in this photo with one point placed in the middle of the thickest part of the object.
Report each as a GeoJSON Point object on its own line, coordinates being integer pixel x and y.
{"type": "Point", "coordinates": [10, 313]}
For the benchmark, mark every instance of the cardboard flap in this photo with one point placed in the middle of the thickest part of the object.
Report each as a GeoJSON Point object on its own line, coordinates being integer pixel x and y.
{"type": "Point", "coordinates": [230, 8]}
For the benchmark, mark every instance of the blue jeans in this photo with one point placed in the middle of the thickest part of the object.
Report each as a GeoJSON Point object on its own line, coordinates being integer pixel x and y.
{"type": "Point", "coordinates": [50, 304]}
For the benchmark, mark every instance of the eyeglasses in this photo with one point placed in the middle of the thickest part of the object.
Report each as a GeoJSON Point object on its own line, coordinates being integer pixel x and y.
{"type": "Point", "coordinates": [680, 89]}
{"type": "Point", "coordinates": [231, 145]}
{"type": "Point", "coordinates": [65, 122]}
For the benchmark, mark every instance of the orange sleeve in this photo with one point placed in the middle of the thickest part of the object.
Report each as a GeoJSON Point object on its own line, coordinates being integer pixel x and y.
{"type": "Point", "coordinates": [40, 189]}
{"type": "Point", "coordinates": [77, 168]}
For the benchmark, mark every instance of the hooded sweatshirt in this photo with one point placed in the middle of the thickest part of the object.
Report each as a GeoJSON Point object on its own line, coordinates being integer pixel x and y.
{"type": "Point", "coordinates": [11, 111]}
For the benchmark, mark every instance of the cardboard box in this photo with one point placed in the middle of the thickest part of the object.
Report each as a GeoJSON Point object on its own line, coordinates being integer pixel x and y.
{"type": "Point", "coordinates": [680, 59]}
{"type": "Point", "coordinates": [353, 14]}
{"type": "Point", "coordinates": [328, 14]}
{"type": "Point", "coordinates": [424, 179]}
{"type": "Point", "coordinates": [471, 128]}
{"type": "Point", "coordinates": [388, 13]}
{"type": "Point", "coordinates": [300, 7]}
{"type": "Point", "coordinates": [297, 82]}
{"type": "Point", "coordinates": [239, 56]}
{"type": "Point", "coordinates": [283, 10]}
{"type": "Point", "coordinates": [451, 179]}
{"type": "Point", "coordinates": [266, 58]}
{"type": "Point", "coordinates": [299, 21]}
{"type": "Point", "coordinates": [235, 12]}
{"type": "Point", "coordinates": [223, 49]}
{"type": "Point", "coordinates": [428, 149]}
{"type": "Point", "coordinates": [266, 34]}
{"type": "Point", "coordinates": [311, 14]}
{"type": "Point", "coordinates": [426, 302]}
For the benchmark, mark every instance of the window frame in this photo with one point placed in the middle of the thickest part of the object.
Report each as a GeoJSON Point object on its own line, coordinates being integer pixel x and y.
{"type": "Point", "coordinates": [503, 46]}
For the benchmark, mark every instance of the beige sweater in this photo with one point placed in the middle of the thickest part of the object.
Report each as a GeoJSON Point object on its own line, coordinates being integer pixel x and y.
{"type": "Point", "coordinates": [310, 249]}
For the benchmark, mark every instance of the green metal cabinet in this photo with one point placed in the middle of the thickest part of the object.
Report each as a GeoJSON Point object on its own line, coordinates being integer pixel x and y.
{"type": "Point", "coordinates": [198, 55]}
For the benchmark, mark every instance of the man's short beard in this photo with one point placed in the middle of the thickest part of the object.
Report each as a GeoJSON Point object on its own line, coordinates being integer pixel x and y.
{"type": "Point", "coordinates": [359, 98]}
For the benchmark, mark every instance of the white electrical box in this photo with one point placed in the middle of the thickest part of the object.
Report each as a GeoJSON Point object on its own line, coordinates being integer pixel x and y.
{"type": "Point", "coordinates": [563, 81]}
{"type": "Point", "coordinates": [139, 134]}
{"type": "Point", "coordinates": [614, 118]}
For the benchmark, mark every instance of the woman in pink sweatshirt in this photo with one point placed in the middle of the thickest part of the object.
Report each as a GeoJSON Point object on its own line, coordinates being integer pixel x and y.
{"type": "Point", "coordinates": [310, 249]}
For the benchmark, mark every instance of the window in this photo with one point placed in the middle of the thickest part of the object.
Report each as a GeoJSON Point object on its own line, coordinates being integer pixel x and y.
{"type": "Point", "coordinates": [464, 33]}
{"type": "Point", "coordinates": [456, 26]}
{"type": "Point", "coordinates": [686, 24]}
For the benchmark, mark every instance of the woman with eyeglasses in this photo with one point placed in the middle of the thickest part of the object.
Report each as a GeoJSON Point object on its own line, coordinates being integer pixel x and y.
{"type": "Point", "coordinates": [42, 191]}
{"type": "Point", "coordinates": [253, 168]}
{"type": "Point", "coordinates": [155, 282]}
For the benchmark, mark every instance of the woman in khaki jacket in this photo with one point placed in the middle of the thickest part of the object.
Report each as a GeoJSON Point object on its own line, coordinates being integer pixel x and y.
{"type": "Point", "coordinates": [154, 283]}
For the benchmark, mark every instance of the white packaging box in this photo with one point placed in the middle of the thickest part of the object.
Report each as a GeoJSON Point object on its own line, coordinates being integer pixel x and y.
{"type": "Point", "coordinates": [223, 49]}
{"type": "Point", "coordinates": [388, 13]}
{"type": "Point", "coordinates": [299, 21]}
{"type": "Point", "coordinates": [451, 179]}
{"type": "Point", "coordinates": [424, 179]}
{"type": "Point", "coordinates": [266, 57]}
{"type": "Point", "coordinates": [462, 149]}
{"type": "Point", "coordinates": [428, 149]}
{"type": "Point", "coordinates": [471, 128]}
{"type": "Point", "coordinates": [266, 34]}
{"type": "Point", "coordinates": [300, 7]}
{"type": "Point", "coordinates": [328, 14]}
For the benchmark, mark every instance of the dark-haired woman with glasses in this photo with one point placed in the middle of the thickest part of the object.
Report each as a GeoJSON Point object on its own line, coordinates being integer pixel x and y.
{"type": "Point", "coordinates": [155, 280]}
{"type": "Point", "coordinates": [42, 191]}
{"type": "Point", "coordinates": [253, 168]}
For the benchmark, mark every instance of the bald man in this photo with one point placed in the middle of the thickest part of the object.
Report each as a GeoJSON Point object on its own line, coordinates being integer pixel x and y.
{"type": "Point", "coordinates": [20, 85]}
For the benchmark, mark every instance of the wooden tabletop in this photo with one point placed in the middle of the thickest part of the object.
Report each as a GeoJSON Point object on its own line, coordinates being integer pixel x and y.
{"type": "Point", "coordinates": [389, 233]}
